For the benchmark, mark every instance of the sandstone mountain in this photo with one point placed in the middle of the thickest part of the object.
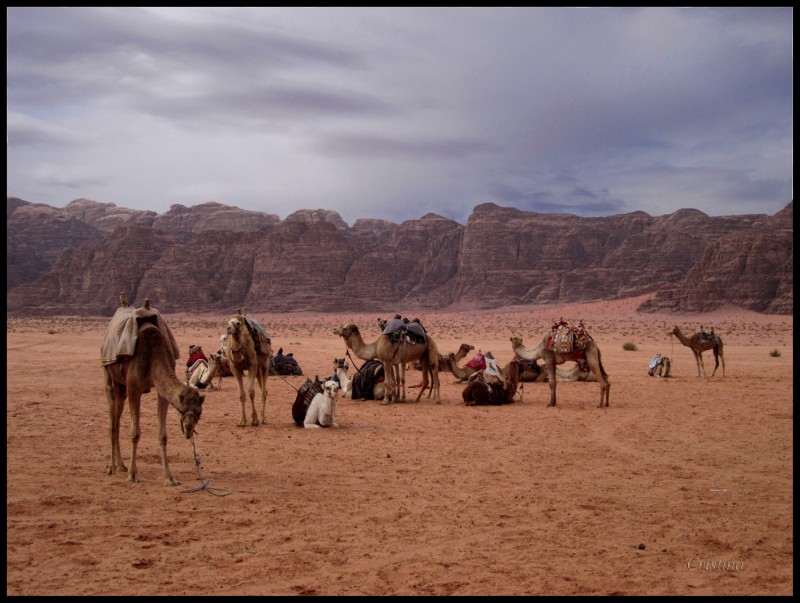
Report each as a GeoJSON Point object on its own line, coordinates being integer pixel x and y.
{"type": "Point", "coordinates": [217, 258]}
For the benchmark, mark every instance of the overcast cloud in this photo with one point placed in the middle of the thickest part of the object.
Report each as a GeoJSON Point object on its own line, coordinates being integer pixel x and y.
{"type": "Point", "coordinates": [393, 113]}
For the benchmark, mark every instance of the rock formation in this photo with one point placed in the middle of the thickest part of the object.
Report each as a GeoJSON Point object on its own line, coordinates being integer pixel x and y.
{"type": "Point", "coordinates": [77, 259]}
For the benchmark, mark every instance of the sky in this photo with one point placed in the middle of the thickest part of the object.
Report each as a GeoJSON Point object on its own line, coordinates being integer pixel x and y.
{"type": "Point", "coordinates": [394, 113]}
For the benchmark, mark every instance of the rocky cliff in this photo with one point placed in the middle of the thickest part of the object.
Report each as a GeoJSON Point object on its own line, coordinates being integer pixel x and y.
{"type": "Point", "coordinates": [217, 258]}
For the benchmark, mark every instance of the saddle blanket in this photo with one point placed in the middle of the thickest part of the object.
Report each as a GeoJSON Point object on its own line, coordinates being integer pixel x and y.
{"type": "Point", "coordinates": [122, 332]}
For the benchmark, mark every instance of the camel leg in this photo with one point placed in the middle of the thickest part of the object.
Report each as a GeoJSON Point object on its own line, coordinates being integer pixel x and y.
{"type": "Point", "coordinates": [700, 364]}
{"type": "Point", "coordinates": [262, 381]}
{"type": "Point", "coordinates": [251, 392]}
{"type": "Point", "coordinates": [240, 382]}
{"type": "Point", "coordinates": [424, 366]}
{"type": "Point", "coordinates": [551, 378]}
{"type": "Point", "coordinates": [716, 361]}
{"type": "Point", "coordinates": [388, 382]}
{"type": "Point", "coordinates": [115, 394]}
{"type": "Point", "coordinates": [722, 359]}
{"type": "Point", "coordinates": [134, 399]}
{"type": "Point", "coordinates": [163, 404]}
{"type": "Point", "coordinates": [402, 392]}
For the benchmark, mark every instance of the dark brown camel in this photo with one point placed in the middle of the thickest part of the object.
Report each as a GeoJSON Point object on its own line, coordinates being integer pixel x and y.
{"type": "Point", "coordinates": [479, 393]}
{"type": "Point", "coordinates": [699, 344]}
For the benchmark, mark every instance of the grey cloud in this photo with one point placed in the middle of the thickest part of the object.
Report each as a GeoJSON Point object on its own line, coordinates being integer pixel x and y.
{"type": "Point", "coordinates": [384, 147]}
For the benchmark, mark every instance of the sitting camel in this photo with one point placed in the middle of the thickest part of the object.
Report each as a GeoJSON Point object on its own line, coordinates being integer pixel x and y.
{"type": "Point", "coordinates": [322, 410]}
{"type": "Point", "coordinates": [552, 358]}
{"type": "Point", "coordinates": [478, 392]}
{"type": "Point", "coordinates": [699, 344]}
{"type": "Point", "coordinates": [149, 362]}
{"type": "Point", "coordinates": [201, 374]}
{"type": "Point", "coordinates": [360, 381]}
{"type": "Point", "coordinates": [391, 352]}
{"type": "Point", "coordinates": [579, 372]}
{"type": "Point", "coordinates": [244, 354]}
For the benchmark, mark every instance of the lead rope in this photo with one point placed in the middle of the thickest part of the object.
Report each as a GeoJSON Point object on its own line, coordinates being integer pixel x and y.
{"type": "Point", "coordinates": [203, 483]}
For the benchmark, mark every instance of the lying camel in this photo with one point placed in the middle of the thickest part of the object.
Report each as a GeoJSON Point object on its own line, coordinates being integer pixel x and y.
{"type": "Point", "coordinates": [478, 392]}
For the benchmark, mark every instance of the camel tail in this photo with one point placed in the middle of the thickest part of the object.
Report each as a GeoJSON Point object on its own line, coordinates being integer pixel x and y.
{"type": "Point", "coordinates": [600, 362]}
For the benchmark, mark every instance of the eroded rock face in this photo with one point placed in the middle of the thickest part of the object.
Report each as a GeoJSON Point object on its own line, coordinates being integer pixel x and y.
{"type": "Point", "coordinates": [212, 258]}
{"type": "Point", "coordinates": [750, 268]}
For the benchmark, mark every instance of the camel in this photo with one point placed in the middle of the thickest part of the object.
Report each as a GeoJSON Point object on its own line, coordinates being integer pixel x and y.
{"type": "Point", "coordinates": [152, 364]}
{"type": "Point", "coordinates": [552, 358]}
{"type": "Point", "coordinates": [478, 392]}
{"type": "Point", "coordinates": [245, 354]}
{"type": "Point", "coordinates": [322, 410]}
{"type": "Point", "coordinates": [698, 344]}
{"type": "Point", "coordinates": [390, 353]}
{"type": "Point", "coordinates": [340, 368]}
{"type": "Point", "coordinates": [201, 374]}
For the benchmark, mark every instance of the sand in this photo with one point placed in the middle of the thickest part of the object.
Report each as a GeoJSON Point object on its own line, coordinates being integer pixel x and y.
{"type": "Point", "coordinates": [683, 486]}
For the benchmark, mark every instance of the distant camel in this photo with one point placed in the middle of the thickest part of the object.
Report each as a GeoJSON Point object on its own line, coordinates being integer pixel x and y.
{"type": "Point", "coordinates": [390, 353]}
{"type": "Point", "coordinates": [699, 344]}
{"type": "Point", "coordinates": [552, 358]}
{"type": "Point", "coordinates": [245, 354]}
{"type": "Point", "coordinates": [478, 392]}
{"type": "Point", "coordinates": [152, 364]}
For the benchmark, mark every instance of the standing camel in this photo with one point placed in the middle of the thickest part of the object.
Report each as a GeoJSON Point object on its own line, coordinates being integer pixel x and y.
{"type": "Point", "coordinates": [552, 358]}
{"type": "Point", "coordinates": [245, 354]}
{"type": "Point", "coordinates": [150, 363]}
{"type": "Point", "coordinates": [390, 353]}
{"type": "Point", "coordinates": [699, 344]}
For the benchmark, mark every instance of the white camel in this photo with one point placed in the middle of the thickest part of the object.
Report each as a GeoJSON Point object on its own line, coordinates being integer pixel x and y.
{"type": "Point", "coordinates": [322, 410]}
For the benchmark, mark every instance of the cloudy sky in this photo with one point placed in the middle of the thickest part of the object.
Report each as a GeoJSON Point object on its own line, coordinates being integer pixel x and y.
{"type": "Point", "coordinates": [397, 112]}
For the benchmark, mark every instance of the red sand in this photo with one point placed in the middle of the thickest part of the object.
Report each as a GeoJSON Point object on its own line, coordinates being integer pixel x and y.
{"type": "Point", "coordinates": [684, 486]}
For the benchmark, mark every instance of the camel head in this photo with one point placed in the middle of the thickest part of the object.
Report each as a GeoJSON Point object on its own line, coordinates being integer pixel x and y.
{"type": "Point", "coordinates": [466, 348]}
{"type": "Point", "coordinates": [191, 407]}
{"type": "Point", "coordinates": [234, 326]}
{"type": "Point", "coordinates": [331, 389]}
{"type": "Point", "coordinates": [346, 331]}
{"type": "Point", "coordinates": [516, 342]}
{"type": "Point", "coordinates": [340, 363]}
{"type": "Point", "coordinates": [675, 330]}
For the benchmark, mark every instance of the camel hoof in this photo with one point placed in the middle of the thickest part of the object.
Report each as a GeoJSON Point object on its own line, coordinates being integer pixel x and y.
{"type": "Point", "coordinates": [169, 481]}
{"type": "Point", "coordinates": [384, 402]}
{"type": "Point", "coordinates": [133, 478]}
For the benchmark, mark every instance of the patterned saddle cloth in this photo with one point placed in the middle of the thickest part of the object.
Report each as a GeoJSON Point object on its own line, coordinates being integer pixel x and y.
{"type": "Point", "coordinates": [565, 338]}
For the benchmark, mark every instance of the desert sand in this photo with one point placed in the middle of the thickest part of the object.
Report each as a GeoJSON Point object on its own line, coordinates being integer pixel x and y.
{"type": "Point", "coordinates": [682, 486]}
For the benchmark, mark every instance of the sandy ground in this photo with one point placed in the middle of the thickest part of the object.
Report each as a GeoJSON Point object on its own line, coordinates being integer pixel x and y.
{"type": "Point", "coordinates": [683, 486]}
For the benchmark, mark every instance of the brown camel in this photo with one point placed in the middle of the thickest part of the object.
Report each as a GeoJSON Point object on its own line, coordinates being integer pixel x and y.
{"type": "Point", "coordinates": [699, 344]}
{"type": "Point", "coordinates": [390, 353]}
{"type": "Point", "coordinates": [152, 364]}
{"type": "Point", "coordinates": [478, 392]}
{"type": "Point", "coordinates": [246, 355]}
{"type": "Point", "coordinates": [552, 358]}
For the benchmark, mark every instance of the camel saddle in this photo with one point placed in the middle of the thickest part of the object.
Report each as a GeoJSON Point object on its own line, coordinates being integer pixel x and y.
{"type": "Point", "coordinates": [123, 331]}
{"type": "Point", "coordinates": [565, 338]}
